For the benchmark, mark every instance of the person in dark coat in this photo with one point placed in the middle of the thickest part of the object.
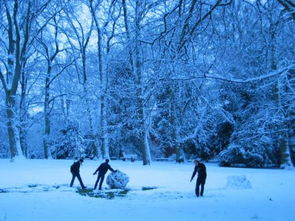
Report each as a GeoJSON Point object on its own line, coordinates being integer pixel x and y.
{"type": "Point", "coordinates": [102, 170]}
{"type": "Point", "coordinates": [202, 175]}
{"type": "Point", "coordinates": [75, 170]}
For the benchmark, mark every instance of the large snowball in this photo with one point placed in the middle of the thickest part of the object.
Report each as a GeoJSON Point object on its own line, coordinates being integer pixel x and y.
{"type": "Point", "coordinates": [117, 180]}
{"type": "Point", "coordinates": [238, 182]}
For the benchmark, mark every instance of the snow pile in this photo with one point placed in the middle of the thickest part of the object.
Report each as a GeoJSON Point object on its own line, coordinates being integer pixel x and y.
{"type": "Point", "coordinates": [238, 182]}
{"type": "Point", "coordinates": [117, 180]}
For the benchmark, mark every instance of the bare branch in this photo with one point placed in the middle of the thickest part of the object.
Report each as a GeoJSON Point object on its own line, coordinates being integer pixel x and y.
{"type": "Point", "coordinates": [289, 6]}
{"type": "Point", "coordinates": [57, 96]}
{"type": "Point", "coordinates": [61, 71]}
{"type": "Point", "coordinates": [3, 82]}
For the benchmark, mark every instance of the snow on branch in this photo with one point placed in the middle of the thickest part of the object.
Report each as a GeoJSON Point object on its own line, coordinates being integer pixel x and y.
{"type": "Point", "coordinates": [237, 80]}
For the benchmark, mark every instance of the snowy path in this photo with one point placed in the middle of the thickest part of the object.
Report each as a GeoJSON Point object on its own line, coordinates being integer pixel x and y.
{"type": "Point", "coordinates": [271, 196]}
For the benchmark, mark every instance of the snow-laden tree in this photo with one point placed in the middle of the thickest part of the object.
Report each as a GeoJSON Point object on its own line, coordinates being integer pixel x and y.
{"type": "Point", "coordinates": [19, 29]}
{"type": "Point", "coordinates": [78, 31]}
{"type": "Point", "coordinates": [180, 58]}
{"type": "Point", "coordinates": [259, 62]}
{"type": "Point", "coordinates": [105, 29]}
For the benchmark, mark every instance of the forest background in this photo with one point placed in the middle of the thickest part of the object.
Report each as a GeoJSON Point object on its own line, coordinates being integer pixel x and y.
{"type": "Point", "coordinates": [155, 79]}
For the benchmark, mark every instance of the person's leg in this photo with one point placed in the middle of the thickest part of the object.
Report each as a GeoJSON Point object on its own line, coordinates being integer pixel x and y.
{"type": "Point", "coordinates": [198, 188]}
{"type": "Point", "coordinates": [73, 179]}
{"type": "Point", "coordinates": [203, 181]}
{"type": "Point", "coordinates": [96, 182]}
{"type": "Point", "coordinates": [202, 188]}
{"type": "Point", "coordinates": [100, 183]}
{"type": "Point", "coordinates": [80, 180]}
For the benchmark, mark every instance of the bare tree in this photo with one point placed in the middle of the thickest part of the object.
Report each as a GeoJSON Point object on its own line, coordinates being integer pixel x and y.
{"type": "Point", "coordinates": [20, 20]}
{"type": "Point", "coordinates": [105, 32]}
{"type": "Point", "coordinates": [133, 38]}
{"type": "Point", "coordinates": [51, 53]}
{"type": "Point", "coordinates": [79, 35]}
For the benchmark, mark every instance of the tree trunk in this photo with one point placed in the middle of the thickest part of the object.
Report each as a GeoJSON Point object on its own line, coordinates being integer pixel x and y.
{"type": "Point", "coordinates": [102, 122]}
{"type": "Point", "coordinates": [23, 140]}
{"type": "Point", "coordinates": [286, 161]}
{"type": "Point", "coordinates": [14, 142]}
{"type": "Point", "coordinates": [46, 114]}
{"type": "Point", "coordinates": [147, 151]}
{"type": "Point", "coordinates": [105, 141]}
{"type": "Point", "coordinates": [23, 117]}
{"type": "Point", "coordinates": [287, 137]}
{"type": "Point", "coordinates": [137, 68]}
{"type": "Point", "coordinates": [90, 120]}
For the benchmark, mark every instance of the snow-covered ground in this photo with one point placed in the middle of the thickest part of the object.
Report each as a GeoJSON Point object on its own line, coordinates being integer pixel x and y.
{"type": "Point", "coordinates": [38, 190]}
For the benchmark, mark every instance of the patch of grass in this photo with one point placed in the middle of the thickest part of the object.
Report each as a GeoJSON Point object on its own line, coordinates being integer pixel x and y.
{"type": "Point", "coordinates": [124, 192]}
{"type": "Point", "coordinates": [45, 189]}
{"type": "Point", "coordinates": [145, 188]}
{"type": "Point", "coordinates": [3, 191]}
{"type": "Point", "coordinates": [33, 185]}
{"type": "Point", "coordinates": [110, 194]}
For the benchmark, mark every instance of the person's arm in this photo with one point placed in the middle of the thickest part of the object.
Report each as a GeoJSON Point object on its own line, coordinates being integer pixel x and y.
{"type": "Point", "coordinates": [78, 167]}
{"type": "Point", "coordinates": [74, 168]}
{"type": "Point", "coordinates": [98, 168]}
{"type": "Point", "coordinates": [111, 169]}
{"type": "Point", "coordinates": [194, 173]}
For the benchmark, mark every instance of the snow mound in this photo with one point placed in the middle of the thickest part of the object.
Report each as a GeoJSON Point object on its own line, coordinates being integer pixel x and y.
{"type": "Point", "coordinates": [238, 182]}
{"type": "Point", "coordinates": [117, 180]}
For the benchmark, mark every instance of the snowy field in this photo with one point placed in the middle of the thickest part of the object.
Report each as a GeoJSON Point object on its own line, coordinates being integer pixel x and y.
{"type": "Point", "coordinates": [39, 190]}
